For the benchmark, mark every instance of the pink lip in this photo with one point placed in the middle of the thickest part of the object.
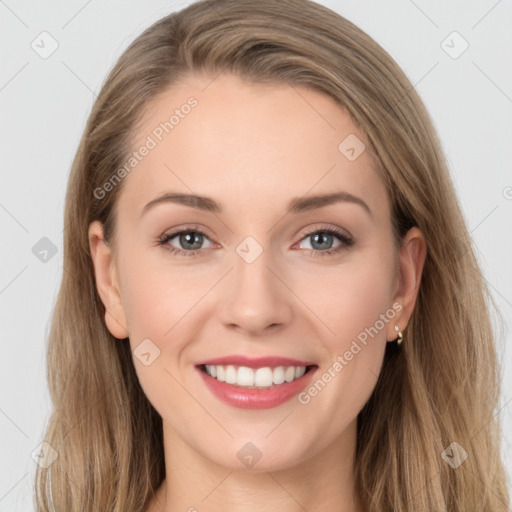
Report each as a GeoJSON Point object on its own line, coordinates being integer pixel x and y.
{"type": "Point", "coordinates": [266, 398]}
{"type": "Point", "coordinates": [256, 362]}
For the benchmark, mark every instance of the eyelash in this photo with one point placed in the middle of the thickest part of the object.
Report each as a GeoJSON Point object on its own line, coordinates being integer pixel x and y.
{"type": "Point", "coordinates": [346, 241]}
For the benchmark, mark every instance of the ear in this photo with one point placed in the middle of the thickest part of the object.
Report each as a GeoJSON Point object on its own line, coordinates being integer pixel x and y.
{"type": "Point", "coordinates": [105, 273]}
{"type": "Point", "coordinates": [410, 267]}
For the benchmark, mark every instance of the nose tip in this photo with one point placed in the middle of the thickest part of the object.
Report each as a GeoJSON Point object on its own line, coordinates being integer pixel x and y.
{"type": "Point", "coordinates": [254, 299]}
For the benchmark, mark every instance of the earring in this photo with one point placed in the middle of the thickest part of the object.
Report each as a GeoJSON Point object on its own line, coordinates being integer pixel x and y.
{"type": "Point", "coordinates": [400, 335]}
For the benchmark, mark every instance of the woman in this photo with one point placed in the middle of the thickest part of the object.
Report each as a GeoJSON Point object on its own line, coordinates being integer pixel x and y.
{"type": "Point", "coordinates": [207, 351]}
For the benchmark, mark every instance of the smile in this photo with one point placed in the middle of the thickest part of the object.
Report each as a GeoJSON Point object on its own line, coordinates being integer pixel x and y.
{"type": "Point", "coordinates": [255, 378]}
{"type": "Point", "coordinates": [262, 387]}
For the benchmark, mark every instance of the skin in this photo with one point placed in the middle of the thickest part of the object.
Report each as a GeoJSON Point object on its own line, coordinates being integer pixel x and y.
{"type": "Point", "coordinates": [252, 148]}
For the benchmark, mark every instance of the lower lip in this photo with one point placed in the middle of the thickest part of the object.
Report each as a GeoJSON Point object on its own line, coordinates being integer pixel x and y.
{"type": "Point", "coordinates": [265, 398]}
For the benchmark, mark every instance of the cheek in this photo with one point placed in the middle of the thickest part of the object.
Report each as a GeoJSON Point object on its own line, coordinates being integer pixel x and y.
{"type": "Point", "coordinates": [156, 293]}
{"type": "Point", "coordinates": [147, 304]}
{"type": "Point", "coordinates": [356, 305]}
{"type": "Point", "coordinates": [351, 298]}
{"type": "Point", "coordinates": [157, 303]}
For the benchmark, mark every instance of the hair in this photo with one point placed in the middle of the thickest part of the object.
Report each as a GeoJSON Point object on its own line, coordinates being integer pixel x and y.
{"type": "Point", "coordinates": [441, 387]}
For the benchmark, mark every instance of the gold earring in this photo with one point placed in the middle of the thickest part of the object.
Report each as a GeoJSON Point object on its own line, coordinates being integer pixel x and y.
{"type": "Point", "coordinates": [400, 335]}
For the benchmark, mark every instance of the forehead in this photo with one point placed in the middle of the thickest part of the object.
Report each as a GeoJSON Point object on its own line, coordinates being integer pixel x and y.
{"type": "Point", "coordinates": [240, 141]}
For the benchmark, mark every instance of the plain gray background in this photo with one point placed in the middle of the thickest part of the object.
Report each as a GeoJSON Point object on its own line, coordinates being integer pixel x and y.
{"type": "Point", "coordinates": [44, 103]}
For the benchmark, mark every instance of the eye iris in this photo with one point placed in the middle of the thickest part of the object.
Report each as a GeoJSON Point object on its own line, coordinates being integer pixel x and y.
{"type": "Point", "coordinates": [189, 237]}
{"type": "Point", "coordinates": [320, 236]}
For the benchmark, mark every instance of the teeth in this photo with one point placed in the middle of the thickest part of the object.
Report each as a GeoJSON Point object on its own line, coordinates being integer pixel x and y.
{"type": "Point", "coordinates": [259, 377]}
{"type": "Point", "coordinates": [230, 375]}
{"type": "Point", "coordinates": [263, 377]}
{"type": "Point", "coordinates": [245, 376]}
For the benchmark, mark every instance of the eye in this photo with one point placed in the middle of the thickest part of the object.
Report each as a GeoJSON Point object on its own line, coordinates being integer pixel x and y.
{"type": "Point", "coordinates": [190, 239]}
{"type": "Point", "coordinates": [322, 241]}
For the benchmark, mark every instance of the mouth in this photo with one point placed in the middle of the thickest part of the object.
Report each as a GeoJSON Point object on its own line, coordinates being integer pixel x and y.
{"type": "Point", "coordinates": [255, 382]}
{"type": "Point", "coordinates": [264, 377]}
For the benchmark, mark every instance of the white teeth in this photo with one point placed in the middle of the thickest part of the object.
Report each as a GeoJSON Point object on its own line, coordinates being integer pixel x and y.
{"type": "Point", "coordinates": [245, 376]}
{"type": "Point", "coordinates": [289, 374]}
{"type": "Point", "coordinates": [278, 376]}
{"type": "Point", "coordinates": [259, 377]}
{"type": "Point", "coordinates": [300, 371]}
{"type": "Point", "coordinates": [263, 377]}
{"type": "Point", "coordinates": [230, 375]}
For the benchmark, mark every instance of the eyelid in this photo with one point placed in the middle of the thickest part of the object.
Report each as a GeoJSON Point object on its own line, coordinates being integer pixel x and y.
{"type": "Point", "coordinates": [345, 238]}
{"type": "Point", "coordinates": [172, 232]}
{"type": "Point", "coordinates": [326, 227]}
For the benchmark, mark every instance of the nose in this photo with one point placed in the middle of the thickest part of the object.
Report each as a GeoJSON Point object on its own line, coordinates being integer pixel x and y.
{"type": "Point", "coordinates": [255, 298]}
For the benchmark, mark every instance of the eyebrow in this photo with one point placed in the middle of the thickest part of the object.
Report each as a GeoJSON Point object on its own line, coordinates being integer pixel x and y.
{"type": "Point", "coordinates": [296, 205]}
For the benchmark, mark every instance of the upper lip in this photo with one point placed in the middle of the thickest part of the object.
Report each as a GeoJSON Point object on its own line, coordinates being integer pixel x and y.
{"type": "Point", "coordinates": [254, 362]}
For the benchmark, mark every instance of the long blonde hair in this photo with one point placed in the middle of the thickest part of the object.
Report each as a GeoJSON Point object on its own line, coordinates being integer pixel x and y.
{"type": "Point", "coordinates": [441, 387]}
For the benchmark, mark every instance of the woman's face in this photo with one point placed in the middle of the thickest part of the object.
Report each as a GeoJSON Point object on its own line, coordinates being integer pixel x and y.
{"type": "Point", "coordinates": [260, 270]}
